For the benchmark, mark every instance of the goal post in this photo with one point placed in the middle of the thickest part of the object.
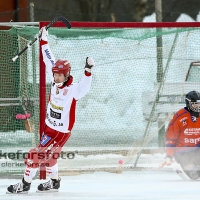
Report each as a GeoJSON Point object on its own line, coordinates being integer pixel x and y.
{"type": "Point", "coordinates": [126, 108]}
{"type": "Point", "coordinates": [164, 29]}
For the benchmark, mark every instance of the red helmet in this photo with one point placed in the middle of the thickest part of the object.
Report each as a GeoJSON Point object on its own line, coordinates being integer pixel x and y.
{"type": "Point", "coordinates": [62, 67]}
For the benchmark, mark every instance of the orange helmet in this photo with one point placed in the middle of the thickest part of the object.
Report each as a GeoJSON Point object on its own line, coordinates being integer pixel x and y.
{"type": "Point", "coordinates": [62, 67]}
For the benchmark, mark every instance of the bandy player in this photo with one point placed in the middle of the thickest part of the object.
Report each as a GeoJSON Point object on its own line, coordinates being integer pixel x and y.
{"type": "Point", "coordinates": [183, 137]}
{"type": "Point", "coordinates": [60, 118]}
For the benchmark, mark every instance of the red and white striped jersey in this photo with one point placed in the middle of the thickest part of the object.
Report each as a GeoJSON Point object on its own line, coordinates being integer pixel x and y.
{"type": "Point", "coordinates": [61, 108]}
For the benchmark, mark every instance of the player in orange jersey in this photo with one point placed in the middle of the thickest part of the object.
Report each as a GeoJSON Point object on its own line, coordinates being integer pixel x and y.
{"type": "Point", "coordinates": [183, 137]}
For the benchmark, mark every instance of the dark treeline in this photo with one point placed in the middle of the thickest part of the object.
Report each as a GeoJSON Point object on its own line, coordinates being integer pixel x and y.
{"type": "Point", "coordinates": [95, 10]}
{"type": "Point", "coordinates": [112, 10]}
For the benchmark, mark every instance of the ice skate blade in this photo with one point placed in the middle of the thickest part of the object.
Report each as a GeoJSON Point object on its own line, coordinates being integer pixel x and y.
{"type": "Point", "coordinates": [25, 192]}
{"type": "Point", "coordinates": [48, 191]}
{"type": "Point", "coordinates": [182, 175]}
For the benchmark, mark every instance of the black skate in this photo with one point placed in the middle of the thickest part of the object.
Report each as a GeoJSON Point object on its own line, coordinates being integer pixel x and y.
{"type": "Point", "coordinates": [50, 186]}
{"type": "Point", "coordinates": [193, 175]}
{"type": "Point", "coordinates": [19, 188]}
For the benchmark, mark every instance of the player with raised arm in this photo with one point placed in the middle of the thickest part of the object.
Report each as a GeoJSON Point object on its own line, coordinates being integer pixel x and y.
{"type": "Point", "coordinates": [60, 118]}
{"type": "Point", "coordinates": [183, 137]}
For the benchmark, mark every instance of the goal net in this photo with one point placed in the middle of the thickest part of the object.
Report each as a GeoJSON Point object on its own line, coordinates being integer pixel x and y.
{"type": "Point", "coordinates": [140, 79]}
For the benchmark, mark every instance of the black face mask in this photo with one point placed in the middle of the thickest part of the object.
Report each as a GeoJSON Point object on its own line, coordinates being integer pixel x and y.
{"type": "Point", "coordinates": [196, 114]}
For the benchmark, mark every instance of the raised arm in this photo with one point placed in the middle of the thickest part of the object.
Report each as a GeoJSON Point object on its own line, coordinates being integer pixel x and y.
{"type": "Point", "coordinates": [47, 54]}
{"type": "Point", "coordinates": [82, 88]}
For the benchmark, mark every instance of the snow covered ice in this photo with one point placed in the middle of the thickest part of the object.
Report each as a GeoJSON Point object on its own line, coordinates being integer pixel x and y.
{"type": "Point", "coordinates": [132, 185]}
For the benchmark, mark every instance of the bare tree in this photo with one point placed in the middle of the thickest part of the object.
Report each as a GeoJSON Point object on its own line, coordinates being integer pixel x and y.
{"type": "Point", "coordinates": [140, 9]}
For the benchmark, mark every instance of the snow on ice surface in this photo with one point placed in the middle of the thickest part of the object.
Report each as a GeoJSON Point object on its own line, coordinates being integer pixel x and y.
{"type": "Point", "coordinates": [132, 185]}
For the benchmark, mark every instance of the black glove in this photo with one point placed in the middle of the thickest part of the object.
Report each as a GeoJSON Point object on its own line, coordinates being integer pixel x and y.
{"type": "Point", "coordinates": [89, 64]}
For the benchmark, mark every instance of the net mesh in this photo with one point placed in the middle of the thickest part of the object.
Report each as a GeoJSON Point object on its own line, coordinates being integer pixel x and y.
{"type": "Point", "coordinates": [138, 83]}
